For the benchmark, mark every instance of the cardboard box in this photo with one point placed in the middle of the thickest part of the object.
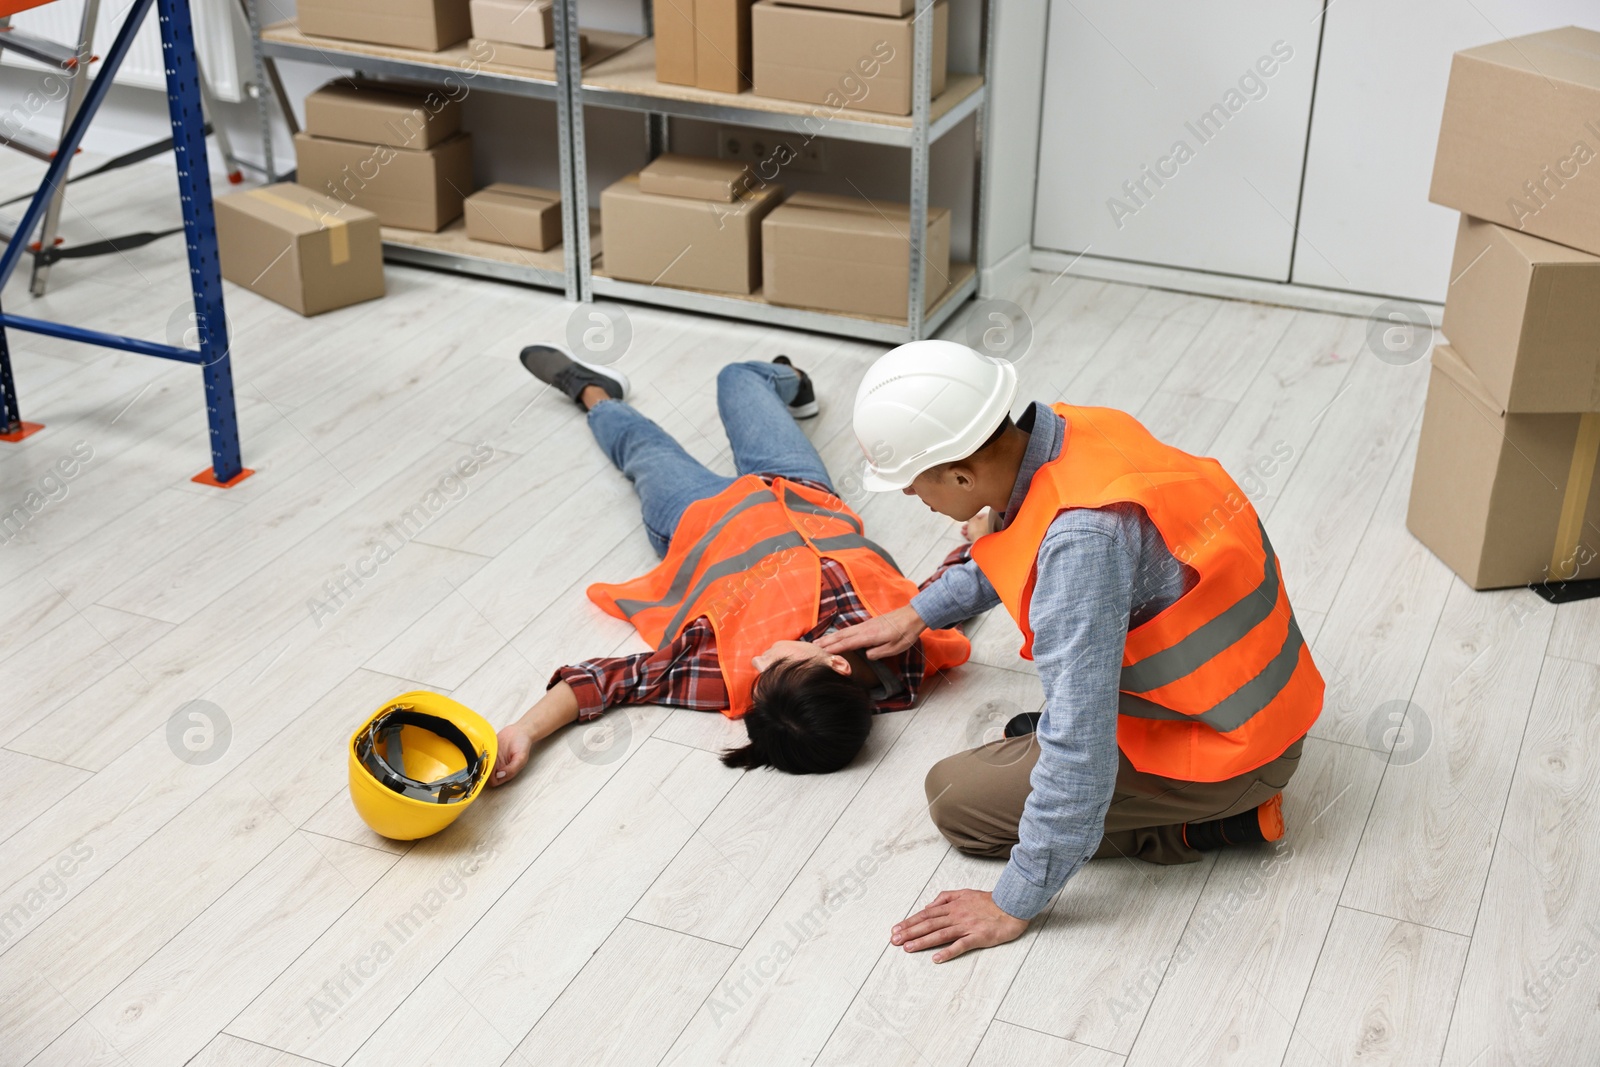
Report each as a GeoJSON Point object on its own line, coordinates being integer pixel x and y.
{"type": "Point", "coordinates": [1523, 313]}
{"type": "Point", "coordinates": [838, 59]}
{"type": "Point", "coordinates": [682, 242]}
{"type": "Point", "coordinates": [428, 25]}
{"type": "Point", "coordinates": [697, 177]}
{"type": "Point", "coordinates": [892, 8]}
{"type": "Point", "coordinates": [400, 116]}
{"type": "Point", "coordinates": [518, 215]}
{"type": "Point", "coordinates": [414, 190]}
{"type": "Point", "coordinates": [705, 43]}
{"type": "Point", "coordinates": [306, 251]}
{"type": "Point", "coordinates": [1520, 140]}
{"type": "Point", "coordinates": [841, 253]}
{"type": "Point", "coordinates": [542, 60]}
{"type": "Point", "coordinates": [524, 22]}
{"type": "Point", "coordinates": [1504, 499]}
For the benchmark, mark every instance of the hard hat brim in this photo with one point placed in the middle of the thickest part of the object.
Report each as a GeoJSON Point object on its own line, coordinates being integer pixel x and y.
{"type": "Point", "coordinates": [874, 482]}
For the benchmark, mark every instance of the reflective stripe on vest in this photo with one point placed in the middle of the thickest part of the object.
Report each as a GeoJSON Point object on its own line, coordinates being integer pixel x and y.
{"type": "Point", "coordinates": [748, 560]}
{"type": "Point", "coordinates": [1213, 639]}
{"type": "Point", "coordinates": [1219, 682]}
{"type": "Point", "coordinates": [680, 581]}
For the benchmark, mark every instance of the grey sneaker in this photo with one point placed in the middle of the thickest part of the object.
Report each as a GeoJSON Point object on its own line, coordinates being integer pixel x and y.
{"type": "Point", "coordinates": [555, 366]}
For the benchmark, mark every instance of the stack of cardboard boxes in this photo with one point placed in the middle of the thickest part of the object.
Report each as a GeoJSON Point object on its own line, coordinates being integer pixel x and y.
{"type": "Point", "coordinates": [1505, 489]}
{"type": "Point", "coordinates": [834, 53]}
{"type": "Point", "coordinates": [689, 223]}
{"type": "Point", "coordinates": [395, 150]}
{"type": "Point", "coordinates": [710, 224]}
{"type": "Point", "coordinates": [518, 33]}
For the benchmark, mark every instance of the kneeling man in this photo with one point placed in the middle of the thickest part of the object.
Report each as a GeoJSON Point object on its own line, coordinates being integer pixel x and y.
{"type": "Point", "coordinates": [755, 568]}
{"type": "Point", "coordinates": [1177, 685]}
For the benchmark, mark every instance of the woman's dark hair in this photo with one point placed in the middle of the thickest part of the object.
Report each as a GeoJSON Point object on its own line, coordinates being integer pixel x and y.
{"type": "Point", "coordinates": [804, 718]}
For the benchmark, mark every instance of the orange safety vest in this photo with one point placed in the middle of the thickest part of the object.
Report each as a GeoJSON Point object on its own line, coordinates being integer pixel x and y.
{"type": "Point", "coordinates": [1219, 683]}
{"type": "Point", "coordinates": [749, 560]}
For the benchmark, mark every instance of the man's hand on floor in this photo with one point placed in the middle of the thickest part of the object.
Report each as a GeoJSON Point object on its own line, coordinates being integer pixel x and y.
{"type": "Point", "coordinates": [964, 919]}
{"type": "Point", "coordinates": [882, 636]}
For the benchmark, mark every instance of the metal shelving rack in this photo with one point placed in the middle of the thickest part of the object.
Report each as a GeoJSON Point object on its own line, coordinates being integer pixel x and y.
{"type": "Point", "coordinates": [626, 81]}
{"type": "Point", "coordinates": [460, 65]}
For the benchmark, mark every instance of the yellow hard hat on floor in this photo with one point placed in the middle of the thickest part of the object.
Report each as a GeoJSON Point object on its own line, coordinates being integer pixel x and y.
{"type": "Point", "coordinates": [417, 763]}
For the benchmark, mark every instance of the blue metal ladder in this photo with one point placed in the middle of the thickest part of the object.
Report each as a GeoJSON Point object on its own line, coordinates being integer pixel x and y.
{"type": "Point", "coordinates": [200, 233]}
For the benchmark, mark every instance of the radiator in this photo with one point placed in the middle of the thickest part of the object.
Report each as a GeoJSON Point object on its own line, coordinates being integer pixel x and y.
{"type": "Point", "coordinates": [220, 38]}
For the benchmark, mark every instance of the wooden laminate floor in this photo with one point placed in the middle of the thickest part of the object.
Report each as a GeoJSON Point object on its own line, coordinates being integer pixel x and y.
{"type": "Point", "coordinates": [629, 900]}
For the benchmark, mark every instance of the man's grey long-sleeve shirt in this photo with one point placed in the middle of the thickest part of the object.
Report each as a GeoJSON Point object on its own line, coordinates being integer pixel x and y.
{"type": "Point", "coordinates": [1100, 571]}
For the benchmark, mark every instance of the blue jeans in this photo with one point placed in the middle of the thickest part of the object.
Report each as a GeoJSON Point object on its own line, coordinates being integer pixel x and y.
{"type": "Point", "coordinates": [753, 400]}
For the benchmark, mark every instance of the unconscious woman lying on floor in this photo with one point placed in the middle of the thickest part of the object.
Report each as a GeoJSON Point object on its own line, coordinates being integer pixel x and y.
{"type": "Point", "coordinates": [754, 568]}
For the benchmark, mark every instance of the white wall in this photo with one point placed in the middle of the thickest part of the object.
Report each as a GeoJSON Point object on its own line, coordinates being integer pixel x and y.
{"type": "Point", "coordinates": [1365, 220]}
{"type": "Point", "coordinates": [1174, 134]}
{"type": "Point", "coordinates": [1122, 78]}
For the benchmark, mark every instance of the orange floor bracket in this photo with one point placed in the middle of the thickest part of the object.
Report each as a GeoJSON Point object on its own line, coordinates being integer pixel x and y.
{"type": "Point", "coordinates": [208, 477]}
{"type": "Point", "coordinates": [26, 429]}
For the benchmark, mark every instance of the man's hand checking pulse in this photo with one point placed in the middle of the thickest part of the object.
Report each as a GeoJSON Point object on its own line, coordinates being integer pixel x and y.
{"type": "Point", "coordinates": [882, 636]}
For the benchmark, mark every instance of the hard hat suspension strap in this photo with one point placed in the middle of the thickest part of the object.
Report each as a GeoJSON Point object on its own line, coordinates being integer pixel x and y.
{"type": "Point", "coordinates": [379, 749]}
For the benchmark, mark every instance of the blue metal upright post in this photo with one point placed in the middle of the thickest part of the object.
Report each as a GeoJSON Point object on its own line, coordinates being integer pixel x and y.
{"type": "Point", "coordinates": [200, 232]}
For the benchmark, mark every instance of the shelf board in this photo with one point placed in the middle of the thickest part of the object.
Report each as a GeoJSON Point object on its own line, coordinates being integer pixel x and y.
{"type": "Point", "coordinates": [451, 249]}
{"type": "Point", "coordinates": [628, 80]}
{"type": "Point", "coordinates": [754, 307]}
{"type": "Point", "coordinates": [285, 41]}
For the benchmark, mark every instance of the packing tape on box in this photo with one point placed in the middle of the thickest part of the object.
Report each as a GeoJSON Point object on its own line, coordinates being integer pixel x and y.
{"type": "Point", "coordinates": [1575, 502]}
{"type": "Point", "coordinates": [338, 234]}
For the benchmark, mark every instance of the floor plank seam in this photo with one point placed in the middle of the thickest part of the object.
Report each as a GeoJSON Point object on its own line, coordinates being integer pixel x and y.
{"type": "Point", "coordinates": [1205, 883]}
{"type": "Point", "coordinates": [1402, 919]}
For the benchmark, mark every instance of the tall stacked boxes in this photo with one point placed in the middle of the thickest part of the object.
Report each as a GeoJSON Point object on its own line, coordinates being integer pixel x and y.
{"type": "Point", "coordinates": [704, 43]}
{"type": "Point", "coordinates": [395, 150]}
{"type": "Point", "coordinates": [1505, 489]}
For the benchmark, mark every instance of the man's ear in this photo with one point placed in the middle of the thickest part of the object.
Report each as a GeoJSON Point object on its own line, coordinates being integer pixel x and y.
{"type": "Point", "coordinates": [961, 476]}
{"type": "Point", "coordinates": [841, 665]}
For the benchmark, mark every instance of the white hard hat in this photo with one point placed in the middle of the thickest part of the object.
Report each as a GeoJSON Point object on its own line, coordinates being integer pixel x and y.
{"type": "Point", "coordinates": [927, 403]}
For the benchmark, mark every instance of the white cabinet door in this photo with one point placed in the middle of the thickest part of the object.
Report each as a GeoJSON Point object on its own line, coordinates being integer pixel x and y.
{"type": "Point", "coordinates": [1365, 220]}
{"type": "Point", "coordinates": [1174, 133]}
